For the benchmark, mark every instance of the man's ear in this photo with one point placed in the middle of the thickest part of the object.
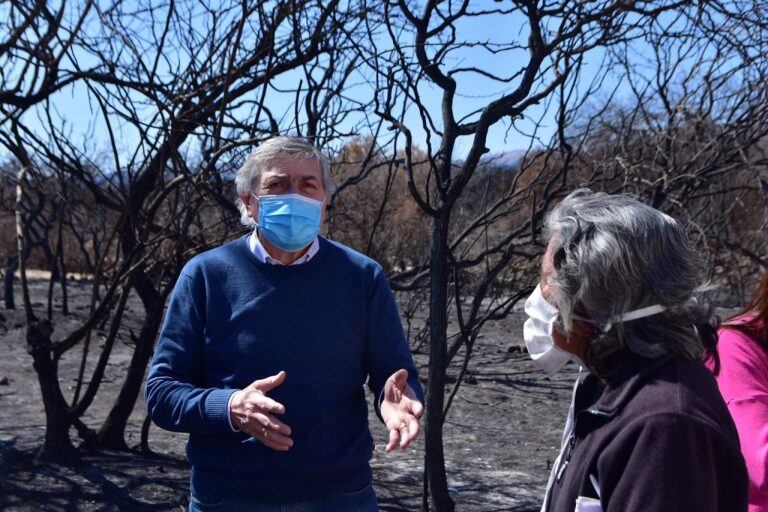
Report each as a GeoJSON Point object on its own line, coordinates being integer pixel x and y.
{"type": "Point", "coordinates": [251, 205]}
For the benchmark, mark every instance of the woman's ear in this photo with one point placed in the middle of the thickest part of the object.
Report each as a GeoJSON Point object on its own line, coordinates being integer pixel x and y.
{"type": "Point", "coordinates": [578, 339]}
{"type": "Point", "coordinates": [584, 330]}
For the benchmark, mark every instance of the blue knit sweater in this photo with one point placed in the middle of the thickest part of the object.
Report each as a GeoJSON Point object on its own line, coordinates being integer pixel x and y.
{"type": "Point", "coordinates": [329, 323]}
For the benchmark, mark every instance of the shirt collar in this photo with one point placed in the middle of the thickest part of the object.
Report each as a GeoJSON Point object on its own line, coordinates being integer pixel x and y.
{"type": "Point", "coordinates": [258, 249]}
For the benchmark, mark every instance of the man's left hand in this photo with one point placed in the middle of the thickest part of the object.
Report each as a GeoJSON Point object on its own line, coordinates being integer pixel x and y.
{"type": "Point", "coordinates": [400, 410]}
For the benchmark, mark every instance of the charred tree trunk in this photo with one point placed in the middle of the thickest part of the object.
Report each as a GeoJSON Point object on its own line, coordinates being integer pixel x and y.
{"type": "Point", "coordinates": [58, 417]}
{"type": "Point", "coordinates": [10, 272]}
{"type": "Point", "coordinates": [50, 258]}
{"type": "Point", "coordinates": [63, 267]}
{"type": "Point", "coordinates": [112, 432]}
{"type": "Point", "coordinates": [144, 443]}
{"type": "Point", "coordinates": [439, 499]}
{"type": "Point", "coordinates": [64, 291]}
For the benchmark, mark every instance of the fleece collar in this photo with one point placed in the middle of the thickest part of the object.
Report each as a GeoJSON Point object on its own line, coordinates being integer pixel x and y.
{"type": "Point", "coordinates": [622, 386]}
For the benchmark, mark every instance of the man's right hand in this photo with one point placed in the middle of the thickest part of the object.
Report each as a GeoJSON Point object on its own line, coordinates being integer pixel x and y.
{"type": "Point", "coordinates": [253, 412]}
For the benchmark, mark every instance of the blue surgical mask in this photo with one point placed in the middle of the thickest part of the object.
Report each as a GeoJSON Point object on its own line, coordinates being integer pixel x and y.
{"type": "Point", "coordinates": [289, 221]}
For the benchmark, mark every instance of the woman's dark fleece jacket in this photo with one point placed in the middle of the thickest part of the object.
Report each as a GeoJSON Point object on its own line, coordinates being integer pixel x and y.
{"type": "Point", "coordinates": [655, 437]}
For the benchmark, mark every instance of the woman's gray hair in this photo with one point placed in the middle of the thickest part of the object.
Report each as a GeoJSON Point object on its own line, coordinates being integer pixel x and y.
{"type": "Point", "coordinates": [613, 254]}
{"type": "Point", "coordinates": [299, 148]}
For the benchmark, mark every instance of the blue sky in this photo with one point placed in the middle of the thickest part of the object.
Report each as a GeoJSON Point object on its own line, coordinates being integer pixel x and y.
{"type": "Point", "coordinates": [82, 116]}
{"type": "Point", "coordinates": [83, 120]}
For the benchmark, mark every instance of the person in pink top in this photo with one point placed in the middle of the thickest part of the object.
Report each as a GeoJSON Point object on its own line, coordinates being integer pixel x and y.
{"type": "Point", "coordinates": [742, 375]}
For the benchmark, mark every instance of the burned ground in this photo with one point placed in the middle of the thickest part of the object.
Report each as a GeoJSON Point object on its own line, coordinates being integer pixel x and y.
{"type": "Point", "coordinates": [501, 435]}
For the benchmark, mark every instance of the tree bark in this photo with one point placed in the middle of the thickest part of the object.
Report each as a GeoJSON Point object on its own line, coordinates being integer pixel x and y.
{"type": "Point", "coordinates": [58, 420]}
{"type": "Point", "coordinates": [63, 267]}
{"type": "Point", "coordinates": [144, 443]}
{"type": "Point", "coordinates": [439, 499]}
{"type": "Point", "coordinates": [10, 271]}
{"type": "Point", "coordinates": [112, 432]}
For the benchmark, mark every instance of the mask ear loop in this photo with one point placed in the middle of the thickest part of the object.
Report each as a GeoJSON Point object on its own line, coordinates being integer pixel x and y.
{"type": "Point", "coordinates": [254, 196]}
{"type": "Point", "coordinates": [640, 313]}
{"type": "Point", "coordinates": [637, 314]}
{"type": "Point", "coordinates": [633, 315]}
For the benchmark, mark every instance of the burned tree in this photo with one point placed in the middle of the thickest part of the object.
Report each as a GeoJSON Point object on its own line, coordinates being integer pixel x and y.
{"type": "Point", "coordinates": [416, 59]}
{"type": "Point", "coordinates": [183, 85]}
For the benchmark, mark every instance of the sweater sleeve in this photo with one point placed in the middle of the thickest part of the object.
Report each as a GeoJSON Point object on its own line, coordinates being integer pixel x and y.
{"type": "Point", "coordinates": [175, 396]}
{"type": "Point", "coordinates": [387, 349]}
{"type": "Point", "coordinates": [670, 462]}
{"type": "Point", "coordinates": [743, 382]}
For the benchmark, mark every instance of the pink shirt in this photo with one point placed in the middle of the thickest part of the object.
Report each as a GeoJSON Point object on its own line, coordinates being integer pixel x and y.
{"type": "Point", "coordinates": [743, 382]}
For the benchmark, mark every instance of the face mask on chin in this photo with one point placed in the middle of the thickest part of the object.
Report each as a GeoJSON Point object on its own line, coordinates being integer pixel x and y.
{"type": "Point", "coordinates": [537, 333]}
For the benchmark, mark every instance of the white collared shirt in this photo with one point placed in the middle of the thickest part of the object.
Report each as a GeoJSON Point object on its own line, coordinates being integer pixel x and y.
{"type": "Point", "coordinates": [258, 249]}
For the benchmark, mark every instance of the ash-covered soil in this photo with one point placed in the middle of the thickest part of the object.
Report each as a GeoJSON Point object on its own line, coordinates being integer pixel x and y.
{"type": "Point", "coordinates": [501, 434]}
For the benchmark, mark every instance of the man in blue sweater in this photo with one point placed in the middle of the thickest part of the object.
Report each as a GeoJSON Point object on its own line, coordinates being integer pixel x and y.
{"type": "Point", "coordinates": [265, 348]}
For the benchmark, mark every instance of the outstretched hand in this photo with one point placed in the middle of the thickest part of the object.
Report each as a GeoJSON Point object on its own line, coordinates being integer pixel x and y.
{"type": "Point", "coordinates": [253, 412]}
{"type": "Point", "coordinates": [401, 410]}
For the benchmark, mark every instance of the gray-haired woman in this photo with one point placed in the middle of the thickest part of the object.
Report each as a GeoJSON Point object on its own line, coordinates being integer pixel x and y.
{"type": "Point", "coordinates": [648, 429]}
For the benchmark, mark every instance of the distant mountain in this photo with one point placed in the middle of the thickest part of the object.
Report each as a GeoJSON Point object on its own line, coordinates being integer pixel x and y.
{"type": "Point", "coordinates": [507, 160]}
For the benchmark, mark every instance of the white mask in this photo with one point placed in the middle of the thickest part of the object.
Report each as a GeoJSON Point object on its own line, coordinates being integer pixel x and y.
{"type": "Point", "coordinates": [537, 331]}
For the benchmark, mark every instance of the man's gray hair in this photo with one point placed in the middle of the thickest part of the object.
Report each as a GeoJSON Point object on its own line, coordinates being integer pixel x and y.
{"type": "Point", "coordinates": [298, 148]}
{"type": "Point", "coordinates": [613, 254]}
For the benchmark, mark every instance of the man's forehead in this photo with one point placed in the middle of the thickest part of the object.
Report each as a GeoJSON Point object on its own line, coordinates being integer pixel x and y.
{"type": "Point", "coordinates": [283, 167]}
